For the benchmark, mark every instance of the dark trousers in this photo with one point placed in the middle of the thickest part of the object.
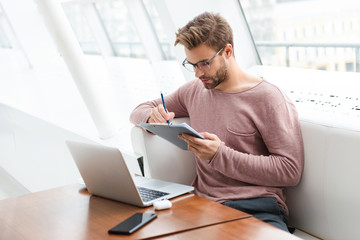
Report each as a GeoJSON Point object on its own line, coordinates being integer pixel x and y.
{"type": "Point", "coordinates": [265, 208]}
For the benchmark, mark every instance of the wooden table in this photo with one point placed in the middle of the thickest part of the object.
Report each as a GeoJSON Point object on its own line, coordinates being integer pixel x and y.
{"type": "Point", "coordinates": [70, 212]}
{"type": "Point", "coordinates": [243, 229]}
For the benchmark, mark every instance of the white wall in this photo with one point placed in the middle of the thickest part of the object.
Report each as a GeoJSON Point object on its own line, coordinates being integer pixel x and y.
{"type": "Point", "coordinates": [34, 154]}
{"type": "Point", "coordinates": [33, 151]}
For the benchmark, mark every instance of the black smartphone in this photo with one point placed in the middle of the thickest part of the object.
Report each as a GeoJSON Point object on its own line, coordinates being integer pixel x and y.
{"type": "Point", "coordinates": [132, 223]}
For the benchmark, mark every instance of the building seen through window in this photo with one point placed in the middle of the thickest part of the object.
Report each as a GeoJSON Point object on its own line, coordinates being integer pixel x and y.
{"type": "Point", "coordinates": [316, 34]}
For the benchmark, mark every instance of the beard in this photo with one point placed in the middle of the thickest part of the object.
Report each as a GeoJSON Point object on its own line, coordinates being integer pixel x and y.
{"type": "Point", "coordinates": [220, 76]}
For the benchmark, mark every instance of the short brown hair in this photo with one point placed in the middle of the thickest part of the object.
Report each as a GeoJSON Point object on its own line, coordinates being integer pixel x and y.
{"type": "Point", "coordinates": [207, 28]}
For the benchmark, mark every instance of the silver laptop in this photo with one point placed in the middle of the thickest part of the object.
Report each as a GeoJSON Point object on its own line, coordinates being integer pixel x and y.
{"type": "Point", "coordinates": [106, 174]}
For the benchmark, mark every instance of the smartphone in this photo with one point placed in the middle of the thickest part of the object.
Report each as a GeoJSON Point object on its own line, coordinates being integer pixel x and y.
{"type": "Point", "coordinates": [132, 223]}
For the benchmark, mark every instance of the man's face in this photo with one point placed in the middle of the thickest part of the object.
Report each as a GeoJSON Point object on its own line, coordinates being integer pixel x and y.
{"type": "Point", "coordinates": [218, 71]}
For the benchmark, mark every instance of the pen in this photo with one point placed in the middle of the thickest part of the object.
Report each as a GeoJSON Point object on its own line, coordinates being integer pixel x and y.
{"type": "Point", "coordinates": [163, 102]}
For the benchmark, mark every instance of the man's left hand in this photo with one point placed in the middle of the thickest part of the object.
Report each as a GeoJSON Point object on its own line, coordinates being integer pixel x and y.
{"type": "Point", "coordinates": [203, 148]}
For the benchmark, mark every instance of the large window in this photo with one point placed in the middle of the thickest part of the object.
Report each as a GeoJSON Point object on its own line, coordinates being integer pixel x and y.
{"type": "Point", "coordinates": [163, 38]}
{"type": "Point", "coordinates": [104, 27]}
{"type": "Point", "coordinates": [4, 41]}
{"type": "Point", "coordinates": [146, 28]}
{"type": "Point", "coordinates": [120, 28]}
{"type": "Point", "coordinates": [81, 27]}
{"type": "Point", "coordinates": [319, 34]}
{"type": "Point", "coordinates": [12, 54]}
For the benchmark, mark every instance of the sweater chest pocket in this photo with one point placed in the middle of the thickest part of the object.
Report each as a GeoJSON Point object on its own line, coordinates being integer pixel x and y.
{"type": "Point", "coordinates": [240, 124]}
{"type": "Point", "coordinates": [241, 132]}
{"type": "Point", "coordinates": [241, 138]}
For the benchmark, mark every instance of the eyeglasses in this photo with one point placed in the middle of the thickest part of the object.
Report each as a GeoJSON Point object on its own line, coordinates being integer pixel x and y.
{"type": "Point", "coordinates": [202, 66]}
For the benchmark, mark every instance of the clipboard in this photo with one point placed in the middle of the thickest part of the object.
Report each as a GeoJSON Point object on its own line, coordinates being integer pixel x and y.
{"type": "Point", "coordinates": [171, 132]}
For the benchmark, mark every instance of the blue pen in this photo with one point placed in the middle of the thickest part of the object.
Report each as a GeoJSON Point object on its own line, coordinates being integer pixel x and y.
{"type": "Point", "coordinates": [163, 102]}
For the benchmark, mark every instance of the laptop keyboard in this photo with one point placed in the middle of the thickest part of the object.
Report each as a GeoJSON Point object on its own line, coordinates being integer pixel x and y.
{"type": "Point", "coordinates": [150, 194]}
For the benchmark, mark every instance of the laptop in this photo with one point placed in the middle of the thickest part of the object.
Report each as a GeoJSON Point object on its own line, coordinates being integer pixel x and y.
{"type": "Point", "coordinates": [107, 175]}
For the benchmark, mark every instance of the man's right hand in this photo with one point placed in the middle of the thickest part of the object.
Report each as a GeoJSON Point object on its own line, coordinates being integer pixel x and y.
{"type": "Point", "coordinates": [159, 115]}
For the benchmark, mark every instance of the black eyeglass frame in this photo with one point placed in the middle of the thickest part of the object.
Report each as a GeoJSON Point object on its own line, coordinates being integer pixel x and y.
{"type": "Point", "coordinates": [196, 65]}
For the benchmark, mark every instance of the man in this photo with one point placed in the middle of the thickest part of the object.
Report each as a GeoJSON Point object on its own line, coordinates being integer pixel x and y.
{"type": "Point", "coordinates": [253, 147]}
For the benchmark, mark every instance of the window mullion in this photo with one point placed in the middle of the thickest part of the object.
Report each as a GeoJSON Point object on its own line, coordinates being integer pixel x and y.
{"type": "Point", "coordinates": [13, 38]}
{"type": "Point", "coordinates": [145, 30]}
{"type": "Point", "coordinates": [170, 30]}
{"type": "Point", "coordinates": [97, 27]}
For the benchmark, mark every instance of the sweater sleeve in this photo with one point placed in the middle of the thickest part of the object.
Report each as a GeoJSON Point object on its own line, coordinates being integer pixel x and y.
{"type": "Point", "coordinates": [284, 164]}
{"type": "Point", "coordinates": [142, 112]}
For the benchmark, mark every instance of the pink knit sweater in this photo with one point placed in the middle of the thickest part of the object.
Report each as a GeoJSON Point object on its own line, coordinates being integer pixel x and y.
{"type": "Point", "coordinates": [261, 151]}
